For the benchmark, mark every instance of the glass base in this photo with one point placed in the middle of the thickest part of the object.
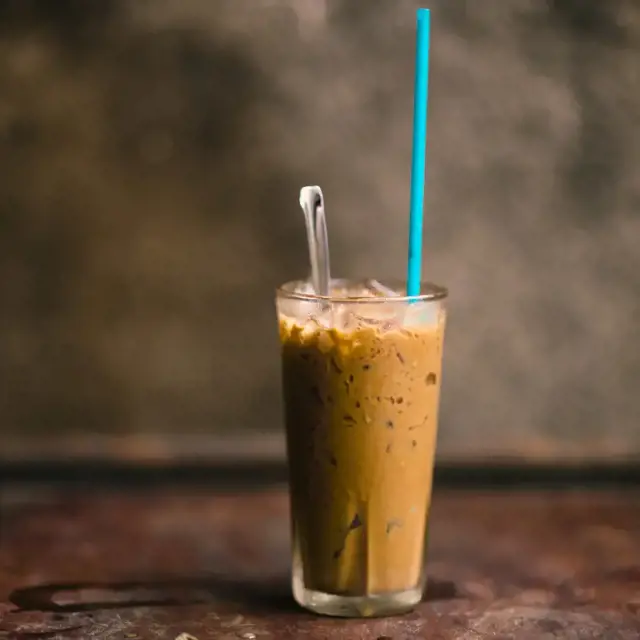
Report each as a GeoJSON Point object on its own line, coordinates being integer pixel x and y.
{"type": "Point", "coordinates": [370, 606]}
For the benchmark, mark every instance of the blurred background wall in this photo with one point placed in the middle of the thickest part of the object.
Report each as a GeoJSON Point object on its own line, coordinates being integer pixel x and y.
{"type": "Point", "coordinates": [151, 154]}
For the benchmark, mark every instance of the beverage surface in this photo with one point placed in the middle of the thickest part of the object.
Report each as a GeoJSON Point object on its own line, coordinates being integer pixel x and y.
{"type": "Point", "coordinates": [361, 396]}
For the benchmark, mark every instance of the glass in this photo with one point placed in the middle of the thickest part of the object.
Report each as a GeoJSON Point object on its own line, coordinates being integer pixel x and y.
{"type": "Point", "coordinates": [361, 382]}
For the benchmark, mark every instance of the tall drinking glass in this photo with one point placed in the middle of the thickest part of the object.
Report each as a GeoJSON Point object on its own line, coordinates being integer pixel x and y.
{"type": "Point", "coordinates": [361, 380]}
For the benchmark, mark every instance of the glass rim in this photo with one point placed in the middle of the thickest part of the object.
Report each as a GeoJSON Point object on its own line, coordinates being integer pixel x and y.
{"type": "Point", "coordinates": [429, 292]}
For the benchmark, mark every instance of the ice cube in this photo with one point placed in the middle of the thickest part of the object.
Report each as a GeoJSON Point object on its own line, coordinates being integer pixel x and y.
{"type": "Point", "coordinates": [343, 318]}
{"type": "Point", "coordinates": [294, 308]}
{"type": "Point", "coordinates": [379, 290]}
{"type": "Point", "coordinates": [383, 316]}
{"type": "Point", "coordinates": [311, 325]}
{"type": "Point", "coordinates": [422, 314]}
{"type": "Point", "coordinates": [304, 287]}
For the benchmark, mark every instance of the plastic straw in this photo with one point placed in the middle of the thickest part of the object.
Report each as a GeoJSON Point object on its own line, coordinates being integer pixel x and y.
{"type": "Point", "coordinates": [419, 150]}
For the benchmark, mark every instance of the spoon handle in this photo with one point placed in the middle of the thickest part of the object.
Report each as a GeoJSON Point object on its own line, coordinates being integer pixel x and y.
{"type": "Point", "coordinates": [312, 204]}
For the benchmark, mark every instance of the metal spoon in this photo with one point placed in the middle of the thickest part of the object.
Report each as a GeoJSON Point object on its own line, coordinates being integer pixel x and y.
{"type": "Point", "coordinates": [312, 204]}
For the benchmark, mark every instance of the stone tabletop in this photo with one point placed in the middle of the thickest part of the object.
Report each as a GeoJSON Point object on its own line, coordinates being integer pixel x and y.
{"type": "Point", "coordinates": [143, 564]}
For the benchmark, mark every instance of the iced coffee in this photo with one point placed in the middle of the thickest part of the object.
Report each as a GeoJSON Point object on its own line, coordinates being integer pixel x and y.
{"type": "Point", "coordinates": [361, 380]}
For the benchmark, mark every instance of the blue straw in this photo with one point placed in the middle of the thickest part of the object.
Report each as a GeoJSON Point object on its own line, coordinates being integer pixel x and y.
{"type": "Point", "coordinates": [419, 150]}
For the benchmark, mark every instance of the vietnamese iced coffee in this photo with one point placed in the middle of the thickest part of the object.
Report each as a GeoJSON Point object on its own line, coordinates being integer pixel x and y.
{"type": "Point", "coordinates": [361, 379]}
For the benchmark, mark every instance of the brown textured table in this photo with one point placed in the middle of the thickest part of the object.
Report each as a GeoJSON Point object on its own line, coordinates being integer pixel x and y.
{"type": "Point", "coordinates": [141, 564]}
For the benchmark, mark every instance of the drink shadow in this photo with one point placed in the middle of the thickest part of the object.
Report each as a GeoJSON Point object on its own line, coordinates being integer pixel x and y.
{"type": "Point", "coordinates": [269, 597]}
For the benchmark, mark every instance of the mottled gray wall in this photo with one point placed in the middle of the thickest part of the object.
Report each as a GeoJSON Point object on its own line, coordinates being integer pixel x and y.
{"type": "Point", "coordinates": [150, 159]}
